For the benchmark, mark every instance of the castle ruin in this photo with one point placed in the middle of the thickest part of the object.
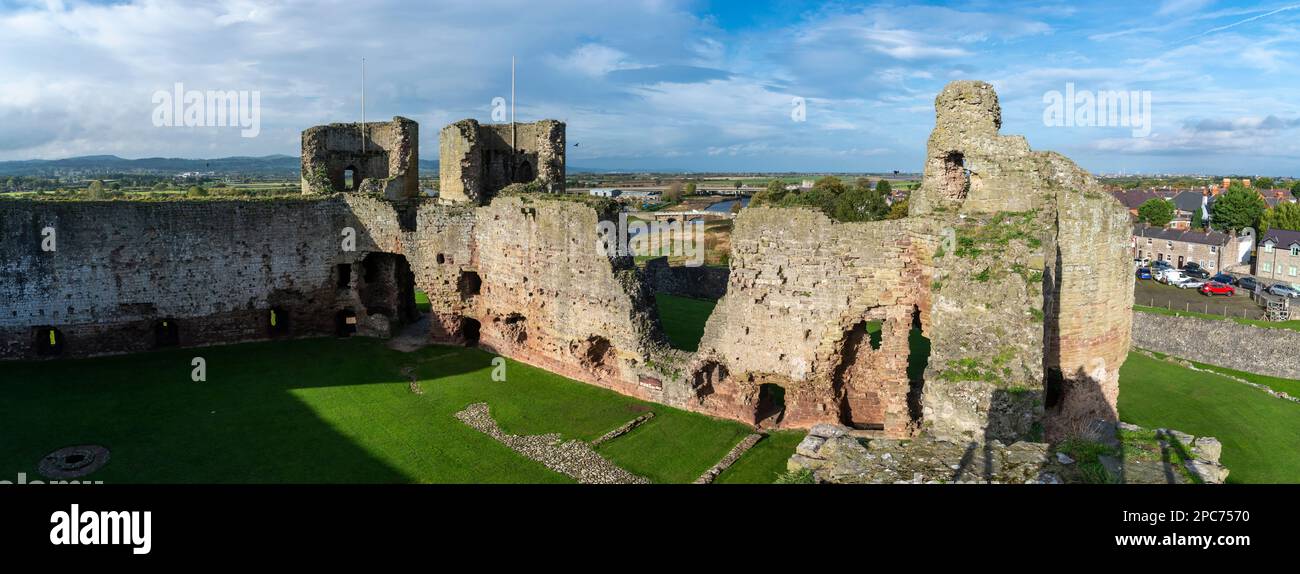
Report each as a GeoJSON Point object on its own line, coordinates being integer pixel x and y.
{"type": "Point", "coordinates": [1011, 267]}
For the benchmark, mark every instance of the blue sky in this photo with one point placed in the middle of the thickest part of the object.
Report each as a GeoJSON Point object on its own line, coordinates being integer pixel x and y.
{"type": "Point", "coordinates": [664, 84]}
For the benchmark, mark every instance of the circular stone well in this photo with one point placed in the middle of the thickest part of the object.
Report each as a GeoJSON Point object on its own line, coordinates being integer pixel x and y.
{"type": "Point", "coordinates": [73, 462]}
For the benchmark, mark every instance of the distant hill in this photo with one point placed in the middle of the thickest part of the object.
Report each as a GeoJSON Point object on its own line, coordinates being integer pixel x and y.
{"type": "Point", "coordinates": [270, 165]}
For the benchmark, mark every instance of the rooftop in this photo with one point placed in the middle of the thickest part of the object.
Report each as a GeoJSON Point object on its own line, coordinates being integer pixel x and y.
{"type": "Point", "coordinates": [1186, 236]}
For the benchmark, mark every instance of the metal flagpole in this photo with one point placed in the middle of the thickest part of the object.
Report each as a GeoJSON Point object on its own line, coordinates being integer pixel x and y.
{"type": "Point", "coordinates": [363, 106]}
{"type": "Point", "coordinates": [514, 141]}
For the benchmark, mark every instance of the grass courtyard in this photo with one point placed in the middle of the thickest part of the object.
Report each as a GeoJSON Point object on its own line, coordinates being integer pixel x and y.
{"type": "Point", "coordinates": [1259, 433]}
{"type": "Point", "coordinates": [343, 411]}
{"type": "Point", "coordinates": [328, 410]}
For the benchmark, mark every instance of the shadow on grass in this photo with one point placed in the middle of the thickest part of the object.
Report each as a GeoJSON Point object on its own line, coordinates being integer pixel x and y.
{"type": "Point", "coordinates": [295, 411]}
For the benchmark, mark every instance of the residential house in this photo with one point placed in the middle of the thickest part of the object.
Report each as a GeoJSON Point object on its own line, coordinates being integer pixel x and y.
{"type": "Point", "coordinates": [1189, 202]}
{"type": "Point", "coordinates": [1278, 256]}
{"type": "Point", "coordinates": [1212, 250]}
{"type": "Point", "coordinates": [1275, 197]}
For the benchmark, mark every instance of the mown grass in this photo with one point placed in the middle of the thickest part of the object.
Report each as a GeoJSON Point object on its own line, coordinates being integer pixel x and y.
{"type": "Point", "coordinates": [1258, 432]}
{"type": "Point", "coordinates": [765, 462]}
{"type": "Point", "coordinates": [1288, 386]}
{"type": "Point", "coordinates": [1290, 325]}
{"type": "Point", "coordinates": [326, 411]}
{"type": "Point", "coordinates": [683, 319]}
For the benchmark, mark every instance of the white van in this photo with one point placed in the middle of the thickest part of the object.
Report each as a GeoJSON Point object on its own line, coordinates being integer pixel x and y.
{"type": "Point", "coordinates": [1170, 276]}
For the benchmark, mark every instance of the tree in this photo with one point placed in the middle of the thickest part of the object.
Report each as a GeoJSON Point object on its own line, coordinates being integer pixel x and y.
{"type": "Point", "coordinates": [674, 192]}
{"type": "Point", "coordinates": [96, 189]}
{"type": "Point", "coordinates": [858, 204]}
{"type": "Point", "coordinates": [1295, 189]}
{"type": "Point", "coordinates": [1284, 216]}
{"type": "Point", "coordinates": [690, 188]}
{"type": "Point", "coordinates": [884, 188]}
{"type": "Point", "coordinates": [1264, 183]}
{"type": "Point", "coordinates": [1237, 208]}
{"type": "Point", "coordinates": [773, 195]}
{"type": "Point", "coordinates": [196, 191]}
{"type": "Point", "coordinates": [898, 210]}
{"type": "Point", "coordinates": [1156, 211]}
{"type": "Point", "coordinates": [739, 184]}
{"type": "Point", "coordinates": [1198, 220]}
{"type": "Point", "coordinates": [829, 184]}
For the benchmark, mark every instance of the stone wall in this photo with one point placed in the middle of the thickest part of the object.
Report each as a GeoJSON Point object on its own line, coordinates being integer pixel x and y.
{"type": "Point", "coordinates": [802, 289]}
{"type": "Point", "coordinates": [1217, 342]}
{"type": "Point", "coordinates": [214, 268]}
{"type": "Point", "coordinates": [550, 298]}
{"type": "Point", "coordinates": [384, 162]}
{"type": "Point", "coordinates": [479, 160]}
{"type": "Point", "coordinates": [1012, 263]}
{"type": "Point", "coordinates": [1033, 287]}
{"type": "Point", "coordinates": [703, 282]}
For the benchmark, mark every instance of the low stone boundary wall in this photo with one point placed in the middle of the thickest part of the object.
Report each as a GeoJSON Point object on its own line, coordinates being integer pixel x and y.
{"type": "Point", "coordinates": [622, 430]}
{"type": "Point", "coordinates": [731, 457]}
{"type": "Point", "coordinates": [1223, 343]}
{"type": "Point", "coordinates": [696, 282]}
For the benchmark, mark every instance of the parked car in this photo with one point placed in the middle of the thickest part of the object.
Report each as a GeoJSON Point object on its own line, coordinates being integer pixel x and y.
{"type": "Point", "coordinates": [1283, 290]}
{"type": "Point", "coordinates": [1216, 288]}
{"type": "Point", "coordinates": [1161, 264]}
{"type": "Point", "coordinates": [1143, 273]}
{"type": "Point", "coordinates": [1196, 272]}
{"type": "Point", "coordinates": [1191, 266]}
{"type": "Point", "coordinates": [1248, 283]}
{"type": "Point", "coordinates": [1170, 276]}
{"type": "Point", "coordinates": [1189, 283]}
{"type": "Point", "coordinates": [1224, 278]}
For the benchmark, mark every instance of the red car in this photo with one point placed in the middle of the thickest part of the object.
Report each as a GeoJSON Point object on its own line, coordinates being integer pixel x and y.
{"type": "Point", "coordinates": [1215, 288]}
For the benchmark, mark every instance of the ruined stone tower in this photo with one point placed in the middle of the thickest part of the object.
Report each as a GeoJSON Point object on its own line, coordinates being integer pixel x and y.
{"type": "Point", "coordinates": [477, 160]}
{"type": "Point", "coordinates": [1031, 287]}
{"type": "Point", "coordinates": [1000, 308]}
{"type": "Point", "coordinates": [336, 158]}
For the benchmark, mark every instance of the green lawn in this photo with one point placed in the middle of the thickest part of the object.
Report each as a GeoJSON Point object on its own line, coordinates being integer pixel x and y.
{"type": "Point", "coordinates": [1290, 325]}
{"type": "Point", "coordinates": [675, 449]}
{"type": "Point", "coordinates": [422, 302]}
{"type": "Point", "coordinates": [1258, 432]}
{"type": "Point", "coordinates": [683, 319]}
{"type": "Point", "coordinates": [765, 461]}
{"type": "Point", "coordinates": [1288, 386]}
{"type": "Point", "coordinates": [327, 410]}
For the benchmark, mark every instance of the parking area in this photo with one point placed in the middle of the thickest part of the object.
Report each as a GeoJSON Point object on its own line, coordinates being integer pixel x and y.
{"type": "Point", "coordinates": [1153, 294]}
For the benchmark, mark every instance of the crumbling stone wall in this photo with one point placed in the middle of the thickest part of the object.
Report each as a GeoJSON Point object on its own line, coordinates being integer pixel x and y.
{"type": "Point", "coordinates": [703, 282]}
{"type": "Point", "coordinates": [801, 291]}
{"type": "Point", "coordinates": [551, 298]}
{"type": "Point", "coordinates": [479, 160]}
{"type": "Point", "coordinates": [1032, 290]}
{"type": "Point", "coordinates": [215, 269]}
{"type": "Point", "coordinates": [385, 162]}
{"type": "Point", "coordinates": [1012, 263]}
